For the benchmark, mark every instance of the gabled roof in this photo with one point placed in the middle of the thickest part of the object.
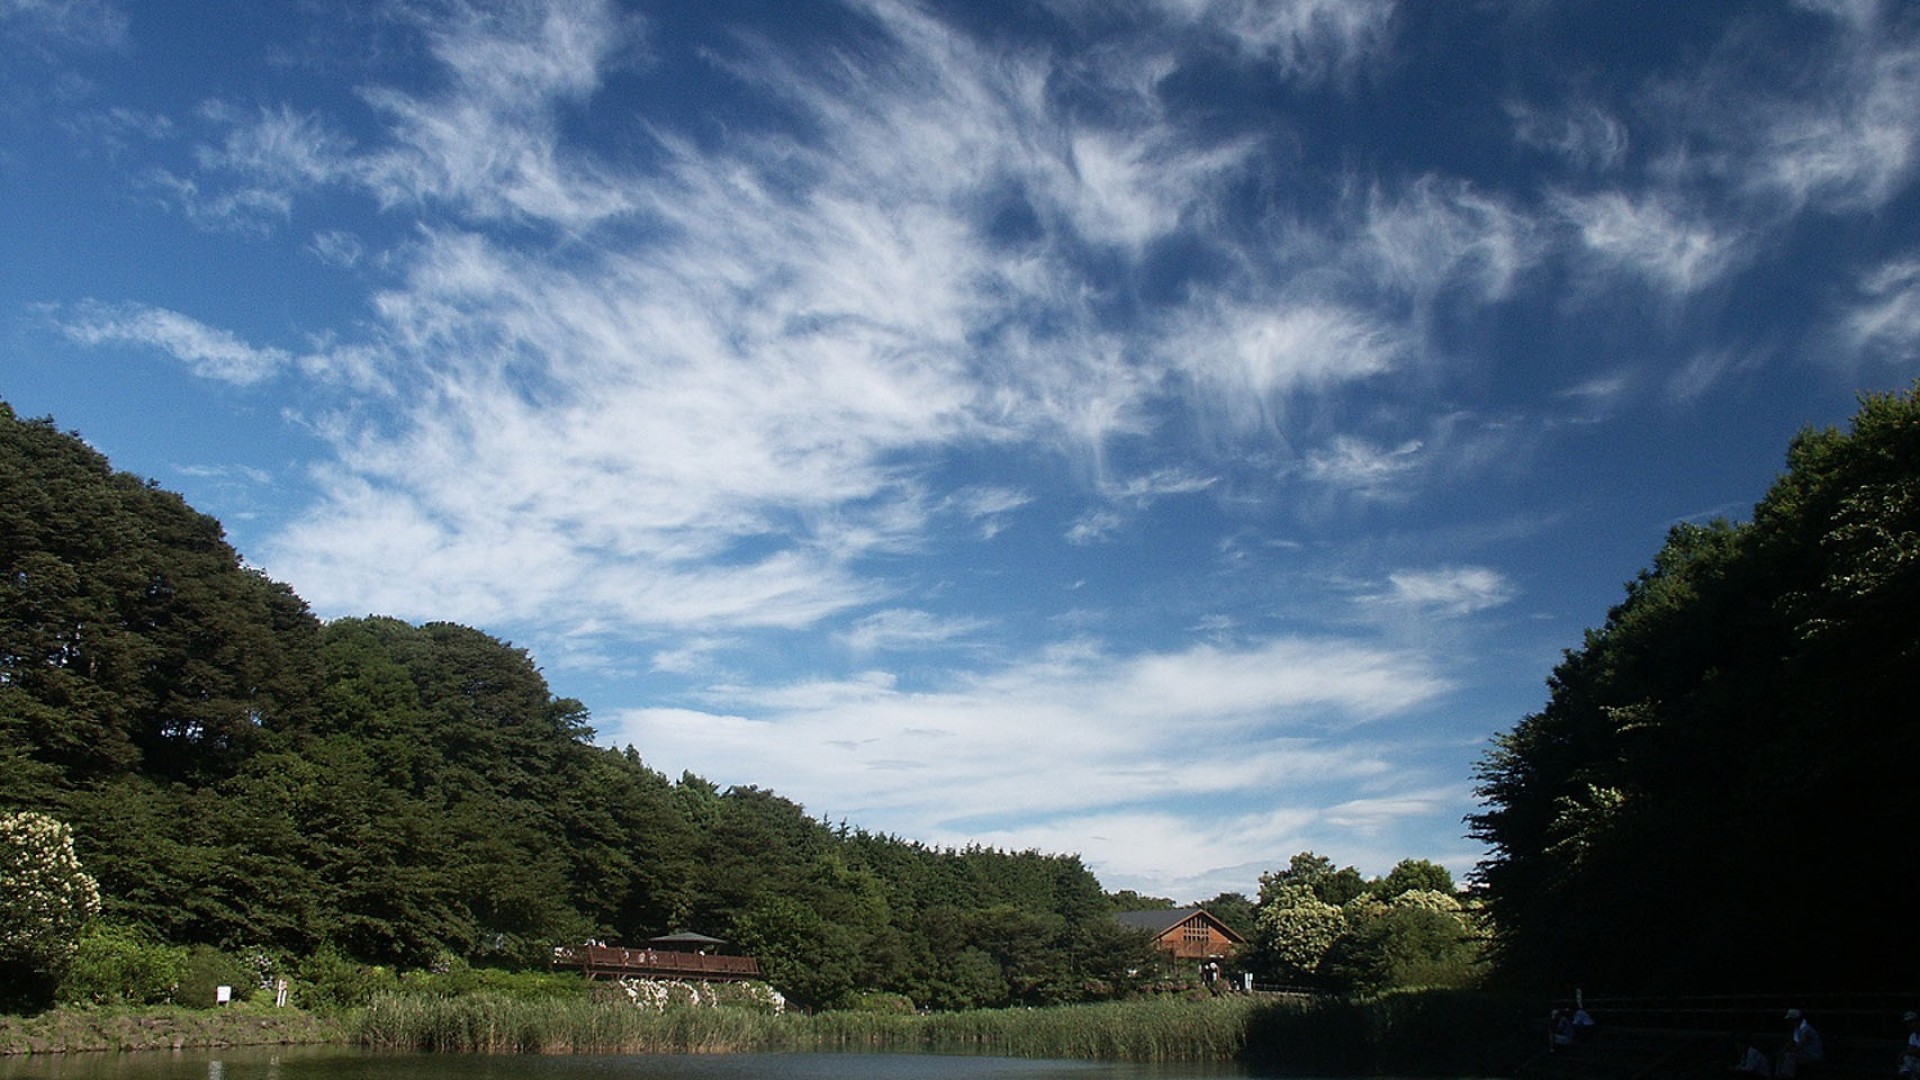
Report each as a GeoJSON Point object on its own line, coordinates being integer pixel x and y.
{"type": "Point", "coordinates": [1159, 922]}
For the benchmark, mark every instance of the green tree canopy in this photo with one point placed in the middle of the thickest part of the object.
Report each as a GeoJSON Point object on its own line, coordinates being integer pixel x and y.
{"type": "Point", "coordinates": [1413, 875]}
{"type": "Point", "coordinates": [1707, 798]}
{"type": "Point", "coordinates": [131, 637]}
{"type": "Point", "coordinates": [1328, 884]}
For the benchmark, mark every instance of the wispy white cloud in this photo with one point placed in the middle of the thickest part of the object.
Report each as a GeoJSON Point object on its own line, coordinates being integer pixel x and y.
{"type": "Point", "coordinates": [1363, 468]}
{"type": "Point", "coordinates": [904, 628]}
{"type": "Point", "coordinates": [1884, 323]}
{"type": "Point", "coordinates": [989, 506]}
{"type": "Point", "coordinates": [337, 247]}
{"type": "Point", "coordinates": [1371, 815]}
{"type": "Point", "coordinates": [1584, 135]}
{"type": "Point", "coordinates": [91, 23]}
{"type": "Point", "coordinates": [1439, 236]}
{"type": "Point", "coordinates": [1067, 739]}
{"type": "Point", "coordinates": [1129, 191]}
{"type": "Point", "coordinates": [989, 501]}
{"type": "Point", "coordinates": [824, 305]}
{"type": "Point", "coordinates": [798, 330]}
{"type": "Point", "coordinates": [279, 148]}
{"type": "Point", "coordinates": [1834, 130]}
{"type": "Point", "coordinates": [1245, 359]}
{"type": "Point", "coordinates": [120, 130]}
{"type": "Point", "coordinates": [1093, 527]}
{"type": "Point", "coordinates": [692, 654]}
{"type": "Point", "coordinates": [243, 473]}
{"type": "Point", "coordinates": [1672, 247]}
{"type": "Point", "coordinates": [1149, 488]}
{"type": "Point", "coordinates": [1305, 39]}
{"type": "Point", "coordinates": [1859, 13]}
{"type": "Point", "coordinates": [1852, 145]}
{"type": "Point", "coordinates": [1704, 370]}
{"type": "Point", "coordinates": [490, 142]}
{"type": "Point", "coordinates": [1598, 397]}
{"type": "Point", "coordinates": [247, 210]}
{"type": "Point", "coordinates": [1460, 590]}
{"type": "Point", "coordinates": [207, 351]}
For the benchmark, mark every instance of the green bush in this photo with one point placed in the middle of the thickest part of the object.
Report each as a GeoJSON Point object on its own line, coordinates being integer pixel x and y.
{"type": "Point", "coordinates": [207, 969]}
{"type": "Point", "coordinates": [1407, 946]}
{"type": "Point", "coordinates": [452, 977]}
{"type": "Point", "coordinates": [119, 965]}
{"type": "Point", "coordinates": [879, 1001]}
{"type": "Point", "coordinates": [330, 980]}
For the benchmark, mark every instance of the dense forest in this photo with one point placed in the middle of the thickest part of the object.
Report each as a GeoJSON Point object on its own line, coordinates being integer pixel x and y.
{"type": "Point", "coordinates": [240, 775]}
{"type": "Point", "coordinates": [1720, 793]}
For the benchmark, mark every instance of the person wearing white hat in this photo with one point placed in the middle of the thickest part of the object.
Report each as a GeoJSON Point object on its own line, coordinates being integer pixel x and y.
{"type": "Point", "coordinates": [1803, 1046]}
{"type": "Point", "coordinates": [1910, 1053]}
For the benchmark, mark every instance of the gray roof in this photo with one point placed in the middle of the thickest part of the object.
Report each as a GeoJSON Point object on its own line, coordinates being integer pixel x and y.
{"type": "Point", "coordinates": [1160, 921]}
{"type": "Point", "coordinates": [685, 938]}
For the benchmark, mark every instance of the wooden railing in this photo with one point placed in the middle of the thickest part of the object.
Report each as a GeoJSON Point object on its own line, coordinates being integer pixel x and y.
{"type": "Point", "coordinates": [612, 961]}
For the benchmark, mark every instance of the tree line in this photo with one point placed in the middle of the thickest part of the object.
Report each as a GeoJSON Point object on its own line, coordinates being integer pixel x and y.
{"type": "Point", "coordinates": [1720, 793]}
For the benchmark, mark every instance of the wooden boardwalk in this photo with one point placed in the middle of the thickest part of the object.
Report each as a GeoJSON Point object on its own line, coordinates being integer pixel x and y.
{"type": "Point", "coordinates": [614, 962]}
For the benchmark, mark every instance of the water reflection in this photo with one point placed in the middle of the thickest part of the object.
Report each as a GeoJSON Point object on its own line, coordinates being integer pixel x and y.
{"type": "Point", "coordinates": [333, 1063]}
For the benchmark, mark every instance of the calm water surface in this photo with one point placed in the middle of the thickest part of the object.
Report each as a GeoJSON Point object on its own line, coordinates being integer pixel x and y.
{"type": "Point", "coordinates": [332, 1063]}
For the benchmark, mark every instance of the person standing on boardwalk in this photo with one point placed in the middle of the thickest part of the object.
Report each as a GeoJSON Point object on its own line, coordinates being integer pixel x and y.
{"type": "Point", "coordinates": [1803, 1046]}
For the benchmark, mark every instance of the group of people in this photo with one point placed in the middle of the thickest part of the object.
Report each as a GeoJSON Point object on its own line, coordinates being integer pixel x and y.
{"type": "Point", "coordinates": [1803, 1048]}
{"type": "Point", "coordinates": [1568, 1026]}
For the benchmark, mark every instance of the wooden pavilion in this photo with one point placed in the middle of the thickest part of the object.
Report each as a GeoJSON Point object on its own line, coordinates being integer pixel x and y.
{"type": "Point", "coordinates": [670, 956]}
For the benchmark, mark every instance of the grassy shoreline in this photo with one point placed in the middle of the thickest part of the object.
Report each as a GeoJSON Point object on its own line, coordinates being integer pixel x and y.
{"type": "Point", "coordinates": [169, 1027]}
{"type": "Point", "coordinates": [1413, 1033]}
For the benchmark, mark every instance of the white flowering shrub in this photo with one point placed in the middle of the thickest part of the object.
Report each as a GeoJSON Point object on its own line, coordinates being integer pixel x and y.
{"type": "Point", "coordinates": [662, 994]}
{"type": "Point", "coordinates": [1363, 907]}
{"type": "Point", "coordinates": [1294, 932]}
{"type": "Point", "coordinates": [1430, 899]}
{"type": "Point", "coordinates": [46, 898]}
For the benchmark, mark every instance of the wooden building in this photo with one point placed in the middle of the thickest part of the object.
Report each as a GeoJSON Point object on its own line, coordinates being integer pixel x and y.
{"type": "Point", "coordinates": [671, 956]}
{"type": "Point", "coordinates": [1185, 933]}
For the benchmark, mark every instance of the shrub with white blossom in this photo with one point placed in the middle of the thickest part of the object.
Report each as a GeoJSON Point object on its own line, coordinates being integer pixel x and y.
{"type": "Point", "coordinates": [46, 898]}
{"type": "Point", "coordinates": [1429, 899]}
{"type": "Point", "coordinates": [662, 994]}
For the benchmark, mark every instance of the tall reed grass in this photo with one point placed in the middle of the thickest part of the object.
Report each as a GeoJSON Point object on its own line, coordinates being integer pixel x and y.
{"type": "Point", "coordinates": [494, 1024]}
{"type": "Point", "coordinates": [1412, 1033]}
{"type": "Point", "coordinates": [1399, 1033]}
{"type": "Point", "coordinates": [1154, 1029]}
{"type": "Point", "coordinates": [1150, 1030]}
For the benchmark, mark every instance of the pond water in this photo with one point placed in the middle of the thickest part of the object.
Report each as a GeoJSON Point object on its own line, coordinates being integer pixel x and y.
{"type": "Point", "coordinates": [332, 1063]}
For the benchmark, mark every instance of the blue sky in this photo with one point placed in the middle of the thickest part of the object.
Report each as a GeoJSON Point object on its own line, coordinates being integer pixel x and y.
{"type": "Point", "coordinates": [1180, 432]}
